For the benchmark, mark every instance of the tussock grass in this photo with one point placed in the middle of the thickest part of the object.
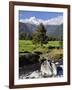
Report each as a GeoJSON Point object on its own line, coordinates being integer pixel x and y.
{"type": "Point", "coordinates": [55, 54]}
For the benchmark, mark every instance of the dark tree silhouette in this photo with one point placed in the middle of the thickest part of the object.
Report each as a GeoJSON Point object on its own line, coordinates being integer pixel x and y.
{"type": "Point", "coordinates": [39, 35]}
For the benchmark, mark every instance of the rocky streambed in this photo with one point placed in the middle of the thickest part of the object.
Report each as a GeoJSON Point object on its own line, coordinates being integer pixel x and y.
{"type": "Point", "coordinates": [32, 66]}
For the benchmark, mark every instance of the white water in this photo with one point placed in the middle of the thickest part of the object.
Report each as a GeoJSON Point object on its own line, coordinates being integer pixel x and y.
{"type": "Point", "coordinates": [46, 70]}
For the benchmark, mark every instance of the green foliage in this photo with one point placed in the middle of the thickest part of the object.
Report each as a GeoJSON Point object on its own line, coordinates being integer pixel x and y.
{"type": "Point", "coordinates": [61, 44]}
{"type": "Point", "coordinates": [51, 38]}
{"type": "Point", "coordinates": [39, 36]}
{"type": "Point", "coordinates": [55, 37]}
{"type": "Point", "coordinates": [51, 47]}
{"type": "Point", "coordinates": [49, 50]}
{"type": "Point", "coordinates": [25, 36]}
{"type": "Point", "coordinates": [41, 49]}
{"type": "Point", "coordinates": [27, 45]}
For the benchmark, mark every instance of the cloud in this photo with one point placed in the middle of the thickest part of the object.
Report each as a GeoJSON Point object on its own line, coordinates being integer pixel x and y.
{"type": "Point", "coordinates": [53, 21]}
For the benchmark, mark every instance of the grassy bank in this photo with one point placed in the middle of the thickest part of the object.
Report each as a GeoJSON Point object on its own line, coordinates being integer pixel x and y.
{"type": "Point", "coordinates": [27, 45]}
{"type": "Point", "coordinates": [50, 51]}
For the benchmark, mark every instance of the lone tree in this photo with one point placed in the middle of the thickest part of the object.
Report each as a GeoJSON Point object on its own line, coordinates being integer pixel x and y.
{"type": "Point", "coordinates": [39, 36]}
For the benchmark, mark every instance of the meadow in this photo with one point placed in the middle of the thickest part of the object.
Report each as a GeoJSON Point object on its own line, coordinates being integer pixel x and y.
{"type": "Point", "coordinates": [51, 50]}
{"type": "Point", "coordinates": [27, 45]}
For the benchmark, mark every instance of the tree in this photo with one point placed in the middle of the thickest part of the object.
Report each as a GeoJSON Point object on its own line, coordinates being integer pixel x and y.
{"type": "Point", "coordinates": [25, 36]}
{"type": "Point", "coordinates": [39, 36]}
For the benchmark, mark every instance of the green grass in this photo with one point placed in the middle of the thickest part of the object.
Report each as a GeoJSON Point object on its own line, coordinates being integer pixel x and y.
{"type": "Point", "coordinates": [27, 45]}
{"type": "Point", "coordinates": [51, 54]}
{"type": "Point", "coordinates": [53, 43]}
{"type": "Point", "coordinates": [25, 42]}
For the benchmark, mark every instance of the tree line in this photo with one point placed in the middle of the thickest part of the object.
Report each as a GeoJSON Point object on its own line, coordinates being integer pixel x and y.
{"type": "Point", "coordinates": [39, 36]}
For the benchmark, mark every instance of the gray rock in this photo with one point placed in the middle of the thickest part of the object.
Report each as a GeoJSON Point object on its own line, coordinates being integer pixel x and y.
{"type": "Point", "coordinates": [46, 69]}
{"type": "Point", "coordinates": [35, 74]}
{"type": "Point", "coordinates": [54, 69]}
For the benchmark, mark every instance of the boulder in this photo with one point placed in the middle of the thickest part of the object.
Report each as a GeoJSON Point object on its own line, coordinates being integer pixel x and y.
{"type": "Point", "coordinates": [46, 69]}
{"type": "Point", "coordinates": [54, 69]}
{"type": "Point", "coordinates": [35, 74]}
{"type": "Point", "coordinates": [59, 71]}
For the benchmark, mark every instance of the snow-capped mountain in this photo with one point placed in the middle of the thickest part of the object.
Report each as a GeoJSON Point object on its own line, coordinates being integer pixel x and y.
{"type": "Point", "coordinates": [53, 21]}
{"type": "Point", "coordinates": [53, 26]}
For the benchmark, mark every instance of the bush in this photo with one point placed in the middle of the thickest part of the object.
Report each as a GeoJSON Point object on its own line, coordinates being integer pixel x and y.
{"type": "Point", "coordinates": [57, 47]}
{"type": "Point", "coordinates": [51, 47]}
{"type": "Point", "coordinates": [26, 52]}
{"type": "Point", "coordinates": [41, 49]}
{"type": "Point", "coordinates": [37, 52]}
{"type": "Point", "coordinates": [55, 54]}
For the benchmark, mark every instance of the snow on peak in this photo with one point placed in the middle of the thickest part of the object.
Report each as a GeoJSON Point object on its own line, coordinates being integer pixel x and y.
{"type": "Point", "coordinates": [33, 18]}
{"type": "Point", "coordinates": [53, 21]}
{"type": "Point", "coordinates": [56, 21]}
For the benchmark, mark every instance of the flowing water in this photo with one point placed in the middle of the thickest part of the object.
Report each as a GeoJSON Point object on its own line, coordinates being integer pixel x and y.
{"type": "Point", "coordinates": [38, 71]}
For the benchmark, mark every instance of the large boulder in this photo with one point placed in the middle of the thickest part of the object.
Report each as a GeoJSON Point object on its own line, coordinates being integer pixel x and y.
{"type": "Point", "coordinates": [35, 74]}
{"type": "Point", "coordinates": [54, 69]}
{"type": "Point", "coordinates": [46, 69]}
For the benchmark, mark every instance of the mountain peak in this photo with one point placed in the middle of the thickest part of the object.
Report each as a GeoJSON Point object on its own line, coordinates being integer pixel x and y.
{"type": "Point", "coordinates": [33, 18]}
{"type": "Point", "coordinates": [53, 21]}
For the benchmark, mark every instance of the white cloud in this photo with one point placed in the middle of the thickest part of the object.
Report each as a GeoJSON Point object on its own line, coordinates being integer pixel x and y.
{"type": "Point", "coordinates": [53, 21]}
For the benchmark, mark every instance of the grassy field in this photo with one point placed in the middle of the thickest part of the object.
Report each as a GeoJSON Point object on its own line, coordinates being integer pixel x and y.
{"type": "Point", "coordinates": [51, 50]}
{"type": "Point", "coordinates": [27, 45]}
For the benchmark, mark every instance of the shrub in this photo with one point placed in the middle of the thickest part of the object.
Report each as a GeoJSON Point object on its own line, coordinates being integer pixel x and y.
{"type": "Point", "coordinates": [38, 52]}
{"type": "Point", "coordinates": [57, 47]}
{"type": "Point", "coordinates": [26, 52]}
{"type": "Point", "coordinates": [55, 54]}
{"type": "Point", "coordinates": [51, 47]}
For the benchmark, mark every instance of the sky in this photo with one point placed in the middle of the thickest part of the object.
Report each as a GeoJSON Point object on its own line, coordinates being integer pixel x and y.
{"type": "Point", "coordinates": [40, 15]}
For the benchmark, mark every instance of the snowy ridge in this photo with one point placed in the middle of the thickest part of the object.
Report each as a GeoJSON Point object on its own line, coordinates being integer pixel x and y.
{"type": "Point", "coordinates": [53, 21]}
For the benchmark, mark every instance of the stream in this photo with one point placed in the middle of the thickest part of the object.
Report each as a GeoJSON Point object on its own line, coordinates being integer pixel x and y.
{"type": "Point", "coordinates": [45, 69]}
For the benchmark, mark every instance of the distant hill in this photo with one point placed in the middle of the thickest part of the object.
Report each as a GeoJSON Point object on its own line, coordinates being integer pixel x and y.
{"type": "Point", "coordinates": [53, 26]}
{"type": "Point", "coordinates": [55, 30]}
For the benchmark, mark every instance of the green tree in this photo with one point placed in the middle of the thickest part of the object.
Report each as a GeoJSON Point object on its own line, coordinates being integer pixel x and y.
{"type": "Point", "coordinates": [25, 36]}
{"type": "Point", "coordinates": [39, 36]}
